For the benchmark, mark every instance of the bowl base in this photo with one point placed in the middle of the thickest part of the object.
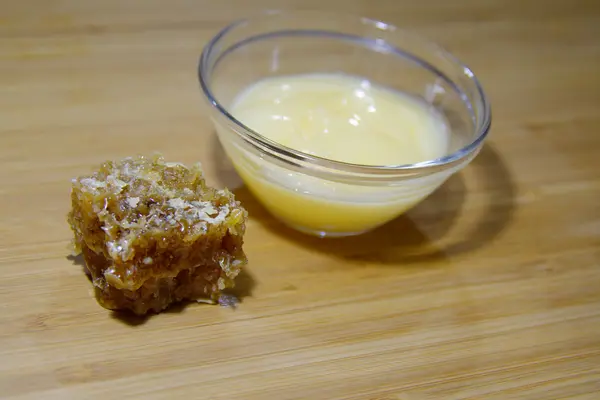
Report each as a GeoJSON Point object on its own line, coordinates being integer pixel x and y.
{"type": "Point", "coordinates": [325, 234]}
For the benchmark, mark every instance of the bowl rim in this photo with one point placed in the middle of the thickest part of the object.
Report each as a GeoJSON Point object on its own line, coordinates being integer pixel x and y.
{"type": "Point", "coordinates": [482, 125]}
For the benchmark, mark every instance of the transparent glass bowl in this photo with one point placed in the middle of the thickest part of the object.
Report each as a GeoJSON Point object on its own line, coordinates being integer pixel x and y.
{"type": "Point", "coordinates": [326, 197]}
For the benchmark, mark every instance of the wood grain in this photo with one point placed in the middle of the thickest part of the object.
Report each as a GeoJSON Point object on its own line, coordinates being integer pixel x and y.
{"type": "Point", "coordinates": [488, 290]}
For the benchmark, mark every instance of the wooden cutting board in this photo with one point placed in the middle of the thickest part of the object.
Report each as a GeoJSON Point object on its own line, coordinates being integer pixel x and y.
{"type": "Point", "coordinates": [490, 289]}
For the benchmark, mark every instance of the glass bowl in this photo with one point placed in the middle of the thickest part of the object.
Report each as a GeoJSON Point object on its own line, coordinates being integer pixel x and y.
{"type": "Point", "coordinates": [321, 196]}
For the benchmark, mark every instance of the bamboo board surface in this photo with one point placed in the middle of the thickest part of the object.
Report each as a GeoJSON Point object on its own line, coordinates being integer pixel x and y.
{"type": "Point", "coordinates": [490, 289]}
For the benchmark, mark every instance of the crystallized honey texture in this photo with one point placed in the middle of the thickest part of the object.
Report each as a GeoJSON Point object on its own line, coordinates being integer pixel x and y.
{"type": "Point", "coordinates": [152, 233]}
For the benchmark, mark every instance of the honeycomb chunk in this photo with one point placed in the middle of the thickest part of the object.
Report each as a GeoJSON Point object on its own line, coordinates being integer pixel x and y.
{"type": "Point", "coordinates": [153, 233]}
